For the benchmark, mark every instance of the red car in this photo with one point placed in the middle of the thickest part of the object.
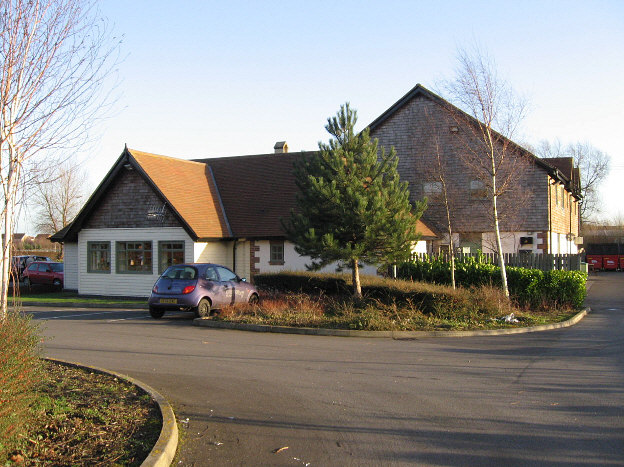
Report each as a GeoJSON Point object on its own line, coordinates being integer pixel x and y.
{"type": "Point", "coordinates": [44, 272]}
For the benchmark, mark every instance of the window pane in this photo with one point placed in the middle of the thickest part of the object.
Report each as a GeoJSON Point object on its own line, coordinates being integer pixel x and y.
{"type": "Point", "coordinates": [181, 272]}
{"type": "Point", "coordinates": [98, 256]}
{"type": "Point", "coordinates": [432, 188]}
{"type": "Point", "coordinates": [226, 274]}
{"type": "Point", "coordinates": [134, 257]}
{"type": "Point", "coordinates": [170, 253]}
{"type": "Point", "coordinates": [277, 252]}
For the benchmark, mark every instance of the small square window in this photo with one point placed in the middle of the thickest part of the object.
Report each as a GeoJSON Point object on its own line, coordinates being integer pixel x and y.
{"type": "Point", "coordinates": [432, 188]}
{"type": "Point", "coordinates": [477, 189]}
{"type": "Point", "coordinates": [277, 253]}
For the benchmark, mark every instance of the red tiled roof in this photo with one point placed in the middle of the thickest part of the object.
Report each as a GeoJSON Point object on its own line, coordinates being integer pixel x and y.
{"type": "Point", "coordinates": [189, 189]}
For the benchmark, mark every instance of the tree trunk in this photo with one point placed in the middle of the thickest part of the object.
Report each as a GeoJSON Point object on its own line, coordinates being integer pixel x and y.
{"type": "Point", "coordinates": [357, 287]}
{"type": "Point", "coordinates": [499, 247]}
{"type": "Point", "coordinates": [7, 241]}
{"type": "Point", "coordinates": [450, 232]}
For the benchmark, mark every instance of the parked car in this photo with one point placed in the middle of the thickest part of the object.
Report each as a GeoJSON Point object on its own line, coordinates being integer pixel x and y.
{"type": "Point", "coordinates": [44, 272]}
{"type": "Point", "coordinates": [21, 262]}
{"type": "Point", "coordinates": [198, 287]}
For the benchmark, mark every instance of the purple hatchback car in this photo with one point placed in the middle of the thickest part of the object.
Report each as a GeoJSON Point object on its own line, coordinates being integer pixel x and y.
{"type": "Point", "coordinates": [198, 287]}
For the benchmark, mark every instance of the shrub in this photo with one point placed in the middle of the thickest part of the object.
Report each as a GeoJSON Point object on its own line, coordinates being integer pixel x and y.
{"type": "Point", "coordinates": [20, 371]}
{"type": "Point", "coordinates": [529, 287]}
{"type": "Point", "coordinates": [301, 282]}
{"type": "Point", "coordinates": [565, 287]}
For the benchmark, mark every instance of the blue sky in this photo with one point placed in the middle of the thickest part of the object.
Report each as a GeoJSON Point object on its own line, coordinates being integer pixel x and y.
{"type": "Point", "coordinates": [203, 78]}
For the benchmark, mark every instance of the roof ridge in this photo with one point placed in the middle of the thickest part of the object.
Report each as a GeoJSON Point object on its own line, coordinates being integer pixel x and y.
{"type": "Point", "coordinates": [134, 152]}
{"type": "Point", "coordinates": [268, 154]}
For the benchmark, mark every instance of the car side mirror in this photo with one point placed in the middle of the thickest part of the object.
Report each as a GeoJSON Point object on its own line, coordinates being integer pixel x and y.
{"type": "Point", "coordinates": [242, 279]}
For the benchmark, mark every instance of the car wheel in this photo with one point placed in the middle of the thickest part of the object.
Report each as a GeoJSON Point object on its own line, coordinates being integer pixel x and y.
{"type": "Point", "coordinates": [254, 299]}
{"type": "Point", "coordinates": [203, 308]}
{"type": "Point", "coordinates": [27, 282]}
{"type": "Point", "coordinates": [57, 283]}
{"type": "Point", "coordinates": [156, 313]}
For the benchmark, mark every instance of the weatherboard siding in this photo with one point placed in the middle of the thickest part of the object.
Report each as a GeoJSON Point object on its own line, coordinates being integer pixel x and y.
{"type": "Point", "coordinates": [126, 285]}
{"type": "Point", "coordinates": [70, 268]}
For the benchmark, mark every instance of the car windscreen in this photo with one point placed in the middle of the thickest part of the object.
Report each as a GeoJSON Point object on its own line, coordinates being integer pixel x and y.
{"type": "Point", "coordinates": [180, 272]}
{"type": "Point", "coordinates": [56, 267]}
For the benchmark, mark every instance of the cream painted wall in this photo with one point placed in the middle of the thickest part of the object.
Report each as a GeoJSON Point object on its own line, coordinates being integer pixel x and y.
{"type": "Point", "coordinates": [213, 252]}
{"type": "Point", "coordinates": [223, 253]}
{"type": "Point", "coordinates": [294, 262]}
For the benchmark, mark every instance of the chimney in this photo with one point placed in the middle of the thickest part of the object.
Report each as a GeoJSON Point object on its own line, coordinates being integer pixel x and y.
{"type": "Point", "coordinates": [280, 147]}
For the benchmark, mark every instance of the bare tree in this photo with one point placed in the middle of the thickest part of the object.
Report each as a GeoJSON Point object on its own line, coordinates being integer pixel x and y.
{"type": "Point", "coordinates": [59, 197]}
{"type": "Point", "coordinates": [439, 172]}
{"type": "Point", "coordinates": [594, 166]}
{"type": "Point", "coordinates": [493, 114]}
{"type": "Point", "coordinates": [55, 56]}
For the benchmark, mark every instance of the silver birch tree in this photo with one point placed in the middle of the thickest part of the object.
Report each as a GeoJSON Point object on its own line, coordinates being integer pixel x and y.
{"type": "Point", "coordinates": [55, 56]}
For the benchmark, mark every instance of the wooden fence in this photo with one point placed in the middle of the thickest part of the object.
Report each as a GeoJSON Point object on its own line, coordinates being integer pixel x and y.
{"type": "Point", "coordinates": [545, 262]}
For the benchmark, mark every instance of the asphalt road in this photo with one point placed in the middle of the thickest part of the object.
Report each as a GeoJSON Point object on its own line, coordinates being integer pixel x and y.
{"type": "Point", "coordinates": [548, 398]}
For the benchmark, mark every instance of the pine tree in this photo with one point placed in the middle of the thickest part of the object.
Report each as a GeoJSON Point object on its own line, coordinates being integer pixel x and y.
{"type": "Point", "coordinates": [351, 206]}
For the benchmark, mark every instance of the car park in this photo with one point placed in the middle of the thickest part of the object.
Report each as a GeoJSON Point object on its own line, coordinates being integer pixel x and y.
{"type": "Point", "coordinates": [199, 287]}
{"type": "Point", "coordinates": [44, 272]}
{"type": "Point", "coordinates": [21, 262]}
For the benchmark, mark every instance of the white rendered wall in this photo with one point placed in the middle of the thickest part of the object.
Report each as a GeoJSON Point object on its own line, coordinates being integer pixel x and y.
{"type": "Point", "coordinates": [561, 245]}
{"type": "Point", "coordinates": [510, 242]}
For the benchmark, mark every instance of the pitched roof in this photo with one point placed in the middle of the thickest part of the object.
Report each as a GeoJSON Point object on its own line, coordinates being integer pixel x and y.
{"type": "Point", "coordinates": [566, 177]}
{"type": "Point", "coordinates": [424, 230]}
{"type": "Point", "coordinates": [256, 191]}
{"type": "Point", "coordinates": [189, 189]}
{"type": "Point", "coordinates": [226, 197]}
{"type": "Point", "coordinates": [185, 185]}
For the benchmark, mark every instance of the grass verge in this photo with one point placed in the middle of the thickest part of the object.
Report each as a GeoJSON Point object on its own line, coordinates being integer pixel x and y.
{"type": "Point", "coordinates": [85, 418]}
{"type": "Point", "coordinates": [43, 294]}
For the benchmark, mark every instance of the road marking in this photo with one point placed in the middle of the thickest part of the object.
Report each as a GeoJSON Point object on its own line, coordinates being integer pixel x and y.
{"type": "Point", "coordinates": [126, 319]}
{"type": "Point", "coordinates": [85, 313]}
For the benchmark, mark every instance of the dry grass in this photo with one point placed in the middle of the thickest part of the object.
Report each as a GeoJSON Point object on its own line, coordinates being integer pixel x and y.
{"type": "Point", "coordinates": [391, 305]}
{"type": "Point", "coordinates": [82, 418]}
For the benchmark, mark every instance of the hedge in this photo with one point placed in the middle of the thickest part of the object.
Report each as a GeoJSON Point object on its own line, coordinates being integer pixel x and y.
{"type": "Point", "coordinates": [530, 287]}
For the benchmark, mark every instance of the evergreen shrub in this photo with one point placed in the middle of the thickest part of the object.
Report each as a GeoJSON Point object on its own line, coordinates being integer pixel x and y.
{"type": "Point", "coordinates": [300, 282]}
{"type": "Point", "coordinates": [529, 287]}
